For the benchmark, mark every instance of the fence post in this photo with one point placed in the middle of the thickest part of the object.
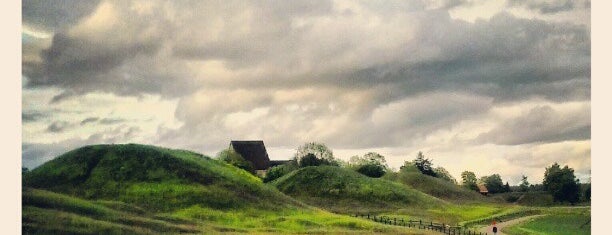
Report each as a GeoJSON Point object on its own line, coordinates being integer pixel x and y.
{"type": "Point", "coordinates": [368, 215]}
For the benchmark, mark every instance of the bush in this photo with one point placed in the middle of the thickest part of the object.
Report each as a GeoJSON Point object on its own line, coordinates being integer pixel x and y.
{"type": "Point", "coordinates": [512, 198]}
{"type": "Point", "coordinates": [371, 164]}
{"type": "Point", "coordinates": [372, 170]}
{"type": "Point", "coordinates": [232, 157]}
{"type": "Point", "coordinates": [279, 171]}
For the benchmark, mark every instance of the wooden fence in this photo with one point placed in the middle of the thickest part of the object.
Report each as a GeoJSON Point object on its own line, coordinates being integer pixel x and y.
{"type": "Point", "coordinates": [439, 227]}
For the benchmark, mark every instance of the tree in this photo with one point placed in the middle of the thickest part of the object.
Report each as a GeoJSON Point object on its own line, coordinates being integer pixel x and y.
{"type": "Point", "coordinates": [468, 180]}
{"type": "Point", "coordinates": [372, 170]}
{"type": "Point", "coordinates": [507, 187]}
{"type": "Point", "coordinates": [232, 157]}
{"type": "Point", "coordinates": [371, 164]}
{"type": "Point", "coordinates": [322, 154]}
{"type": "Point", "coordinates": [309, 160]}
{"type": "Point", "coordinates": [493, 183]}
{"type": "Point", "coordinates": [524, 186]}
{"type": "Point", "coordinates": [424, 164]}
{"type": "Point", "coordinates": [561, 183]}
{"type": "Point", "coordinates": [444, 174]}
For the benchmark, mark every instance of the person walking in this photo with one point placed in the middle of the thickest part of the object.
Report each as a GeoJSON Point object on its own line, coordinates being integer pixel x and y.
{"type": "Point", "coordinates": [494, 227]}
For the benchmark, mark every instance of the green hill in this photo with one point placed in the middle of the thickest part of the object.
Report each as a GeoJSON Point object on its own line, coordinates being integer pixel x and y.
{"type": "Point", "coordinates": [346, 191]}
{"type": "Point", "coordinates": [153, 178]}
{"type": "Point", "coordinates": [140, 189]}
{"type": "Point", "coordinates": [434, 186]}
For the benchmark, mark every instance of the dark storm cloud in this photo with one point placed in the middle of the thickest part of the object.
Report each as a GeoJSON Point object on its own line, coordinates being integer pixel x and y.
{"type": "Point", "coordinates": [547, 7]}
{"type": "Point", "coordinates": [57, 14]}
{"type": "Point", "coordinates": [397, 71]}
{"type": "Point", "coordinates": [83, 66]}
{"type": "Point", "coordinates": [109, 121]}
{"type": "Point", "coordinates": [58, 126]}
{"type": "Point", "coordinates": [103, 121]}
{"type": "Point", "coordinates": [89, 120]}
{"type": "Point", "coordinates": [62, 96]}
{"type": "Point", "coordinates": [32, 116]}
{"type": "Point", "coordinates": [541, 125]}
{"type": "Point", "coordinates": [504, 57]}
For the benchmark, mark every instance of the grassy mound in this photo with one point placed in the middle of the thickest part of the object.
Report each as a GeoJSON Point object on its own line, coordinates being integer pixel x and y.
{"type": "Point", "coordinates": [153, 178]}
{"type": "Point", "coordinates": [47, 212]}
{"type": "Point", "coordinates": [346, 191]}
{"type": "Point", "coordinates": [434, 186]}
{"type": "Point", "coordinates": [139, 189]}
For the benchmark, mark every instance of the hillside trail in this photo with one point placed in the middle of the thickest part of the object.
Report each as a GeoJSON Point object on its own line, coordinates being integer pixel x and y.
{"type": "Point", "coordinates": [500, 225]}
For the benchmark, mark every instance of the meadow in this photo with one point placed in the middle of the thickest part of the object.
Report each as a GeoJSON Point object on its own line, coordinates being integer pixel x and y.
{"type": "Point", "coordinates": [568, 222]}
{"type": "Point", "coordinates": [140, 189]}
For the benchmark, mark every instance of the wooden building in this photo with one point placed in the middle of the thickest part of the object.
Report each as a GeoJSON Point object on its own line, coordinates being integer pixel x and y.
{"type": "Point", "coordinates": [483, 190]}
{"type": "Point", "coordinates": [255, 152]}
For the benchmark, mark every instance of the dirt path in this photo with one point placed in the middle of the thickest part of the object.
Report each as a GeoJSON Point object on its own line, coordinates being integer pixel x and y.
{"type": "Point", "coordinates": [500, 226]}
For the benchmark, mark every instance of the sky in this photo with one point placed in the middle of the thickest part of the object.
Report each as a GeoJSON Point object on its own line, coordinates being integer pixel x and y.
{"type": "Point", "coordinates": [489, 86]}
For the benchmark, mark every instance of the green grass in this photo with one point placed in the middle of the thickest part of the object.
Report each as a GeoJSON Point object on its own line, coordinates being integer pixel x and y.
{"type": "Point", "coordinates": [455, 214]}
{"type": "Point", "coordinates": [47, 212]}
{"type": "Point", "coordinates": [139, 189]}
{"type": "Point", "coordinates": [561, 224]}
{"type": "Point", "coordinates": [287, 221]}
{"type": "Point", "coordinates": [434, 186]}
{"type": "Point", "coordinates": [153, 178]}
{"type": "Point", "coordinates": [346, 191]}
{"type": "Point", "coordinates": [538, 198]}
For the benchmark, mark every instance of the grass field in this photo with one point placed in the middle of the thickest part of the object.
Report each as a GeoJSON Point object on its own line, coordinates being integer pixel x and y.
{"type": "Point", "coordinates": [433, 186]}
{"type": "Point", "coordinates": [561, 224]}
{"type": "Point", "coordinates": [346, 191]}
{"type": "Point", "coordinates": [47, 212]}
{"type": "Point", "coordinates": [140, 189]}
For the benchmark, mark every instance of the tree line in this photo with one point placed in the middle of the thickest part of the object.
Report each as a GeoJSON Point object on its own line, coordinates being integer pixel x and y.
{"type": "Point", "coordinates": [559, 181]}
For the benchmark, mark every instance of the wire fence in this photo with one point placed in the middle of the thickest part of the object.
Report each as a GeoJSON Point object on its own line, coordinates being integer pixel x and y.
{"type": "Point", "coordinates": [439, 227]}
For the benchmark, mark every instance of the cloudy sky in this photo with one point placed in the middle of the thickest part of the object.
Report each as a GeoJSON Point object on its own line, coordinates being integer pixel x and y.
{"type": "Point", "coordinates": [490, 86]}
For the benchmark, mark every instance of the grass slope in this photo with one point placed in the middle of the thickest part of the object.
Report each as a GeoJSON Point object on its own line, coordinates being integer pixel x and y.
{"type": "Point", "coordinates": [139, 189]}
{"type": "Point", "coordinates": [558, 223]}
{"type": "Point", "coordinates": [153, 178]}
{"type": "Point", "coordinates": [346, 191]}
{"type": "Point", "coordinates": [434, 186]}
{"type": "Point", "coordinates": [47, 212]}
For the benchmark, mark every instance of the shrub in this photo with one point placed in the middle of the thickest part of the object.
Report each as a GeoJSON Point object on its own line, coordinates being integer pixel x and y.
{"type": "Point", "coordinates": [279, 171]}
{"type": "Point", "coordinates": [372, 170]}
{"type": "Point", "coordinates": [232, 157]}
{"type": "Point", "coordinates": [512, 198]}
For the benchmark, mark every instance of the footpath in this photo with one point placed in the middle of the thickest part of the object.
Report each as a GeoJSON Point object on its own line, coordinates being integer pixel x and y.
{"type": "Point", "coordinates": [500, 225]}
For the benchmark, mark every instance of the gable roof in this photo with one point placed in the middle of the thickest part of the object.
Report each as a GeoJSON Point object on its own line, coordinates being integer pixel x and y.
{"type": "Point", "coordinates": [482, 188]}
{"type": "Point", "coordinates": [253, 151]}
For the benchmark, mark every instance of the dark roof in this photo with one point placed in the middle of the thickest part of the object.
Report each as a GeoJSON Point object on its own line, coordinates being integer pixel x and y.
{"type": "Point", "coordinates": [253, 151]}
{"type": "Point", "coordinates": [277, 162]}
